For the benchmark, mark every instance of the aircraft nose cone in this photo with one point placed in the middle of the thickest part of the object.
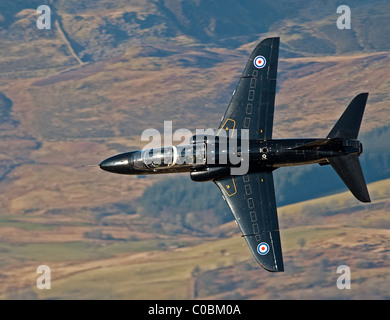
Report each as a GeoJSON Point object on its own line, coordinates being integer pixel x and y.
{"type": "Point", "coordinates": [117, 164]}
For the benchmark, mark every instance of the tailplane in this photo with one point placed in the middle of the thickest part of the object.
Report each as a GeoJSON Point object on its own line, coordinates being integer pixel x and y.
{"type": "Point", "coordinates": [348, 166]}
{"type": "Point", "coordinates": [349, 169]}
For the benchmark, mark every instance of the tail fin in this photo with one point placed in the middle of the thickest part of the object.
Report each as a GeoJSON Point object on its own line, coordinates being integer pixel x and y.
{"type": "Point", "coordinates": [349, 169]}
{"type": "Point", "coordinates": [348, 125]}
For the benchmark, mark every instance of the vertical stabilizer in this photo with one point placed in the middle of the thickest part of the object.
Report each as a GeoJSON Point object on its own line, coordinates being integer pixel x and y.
{"type": "Point", "coordinates": [347, 127]}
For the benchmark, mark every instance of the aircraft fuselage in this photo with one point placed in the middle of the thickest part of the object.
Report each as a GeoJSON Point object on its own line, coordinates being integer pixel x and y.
{"type": "Point", "coordinates": [199, 157]}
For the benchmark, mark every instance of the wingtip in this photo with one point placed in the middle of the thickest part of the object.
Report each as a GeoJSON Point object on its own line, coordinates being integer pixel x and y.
{"type": "Point", "coordinates": [269, 41]}
{"type": "Point", "coordinates": [275, 268]}
{"type": "Point", "coordinates": [365, 200]}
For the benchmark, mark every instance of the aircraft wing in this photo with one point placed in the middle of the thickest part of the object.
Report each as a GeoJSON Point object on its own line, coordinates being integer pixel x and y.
{"type": "Point", "coordinates": [251, 199]}
{"type": "Point", "coordinates": [252, 104]}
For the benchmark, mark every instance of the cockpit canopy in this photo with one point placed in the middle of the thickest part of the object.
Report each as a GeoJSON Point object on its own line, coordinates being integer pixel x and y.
{"type": "Point", "coordinates": [166, 157]}
{"type": "Point", "coordinates": [159, 157]}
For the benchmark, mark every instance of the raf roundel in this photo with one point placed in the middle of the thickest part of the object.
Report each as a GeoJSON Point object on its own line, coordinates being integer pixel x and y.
{"type": "Point", "coordinates": [263, 248]}
{"type": "Point", "coordinates": [259, 62]}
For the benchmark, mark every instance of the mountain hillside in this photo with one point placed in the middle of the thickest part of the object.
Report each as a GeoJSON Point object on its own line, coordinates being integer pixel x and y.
{"type": "Point", "coordinates": [317, 237]}
{"type": "Point", "coordinates": [106, 70]}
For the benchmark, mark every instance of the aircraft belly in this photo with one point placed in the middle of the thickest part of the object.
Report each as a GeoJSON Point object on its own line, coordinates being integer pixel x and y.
{"type": "Point", "coordinates": [287, 158]}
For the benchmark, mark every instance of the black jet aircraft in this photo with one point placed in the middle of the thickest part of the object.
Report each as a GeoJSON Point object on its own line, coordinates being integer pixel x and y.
{"type": "Point", "coordinates": [251, 196]}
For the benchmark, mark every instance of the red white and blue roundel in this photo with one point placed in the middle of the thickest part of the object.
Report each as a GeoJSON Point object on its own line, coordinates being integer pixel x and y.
{"type": "Point", "coordinates": [259, 62]}
{"type": "Point", "coordinates": [263, 248]}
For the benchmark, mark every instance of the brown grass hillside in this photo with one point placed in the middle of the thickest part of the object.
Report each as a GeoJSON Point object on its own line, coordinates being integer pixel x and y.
{"type": "Point", "coordinates": [314, 243]}
{"type": "Point", "coordinates": [137, 65]}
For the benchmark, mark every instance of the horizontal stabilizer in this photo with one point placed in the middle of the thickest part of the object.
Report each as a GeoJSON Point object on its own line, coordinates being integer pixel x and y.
{"type": "Point", "coordinates": [349, 169]}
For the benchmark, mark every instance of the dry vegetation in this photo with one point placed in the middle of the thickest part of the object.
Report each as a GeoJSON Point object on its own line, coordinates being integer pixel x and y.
{"type": "Point", "coordinates": [161, 267]}
{"type": "Point", "coordinates": [84, 223]}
